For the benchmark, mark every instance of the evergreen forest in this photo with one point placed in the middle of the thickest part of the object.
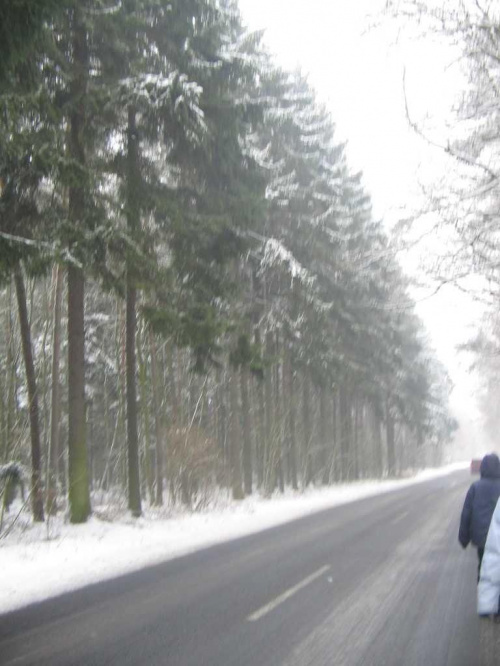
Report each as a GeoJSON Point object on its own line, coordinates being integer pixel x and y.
{"type": "Point", "coordinates": [195, 294]}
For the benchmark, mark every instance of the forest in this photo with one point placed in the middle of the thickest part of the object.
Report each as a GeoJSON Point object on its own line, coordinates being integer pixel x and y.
{"type": "Point", "coordinates": [195, 294]}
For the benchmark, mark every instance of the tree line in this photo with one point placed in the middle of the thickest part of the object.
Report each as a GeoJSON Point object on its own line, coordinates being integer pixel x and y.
{"type": "Point", "coordinates": [195, 291]}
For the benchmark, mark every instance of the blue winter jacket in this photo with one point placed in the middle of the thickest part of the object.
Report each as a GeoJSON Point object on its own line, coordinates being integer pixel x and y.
{"type": "Point", "coordinates": [480, 503]}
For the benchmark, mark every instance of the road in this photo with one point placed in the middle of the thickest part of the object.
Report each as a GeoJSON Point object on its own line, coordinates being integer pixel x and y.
{"type": "Point", "coordinates": [378, 582]}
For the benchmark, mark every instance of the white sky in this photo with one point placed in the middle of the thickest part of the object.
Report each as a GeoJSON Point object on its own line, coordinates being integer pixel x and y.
{"type": "Point", "coordinates": [38, 561]}
{"type": "Point", "coordinates": [358, 72]}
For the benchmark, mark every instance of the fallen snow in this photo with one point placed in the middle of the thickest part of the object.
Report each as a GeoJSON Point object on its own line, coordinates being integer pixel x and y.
{"type": "Point", "coordinates": [38, 561]}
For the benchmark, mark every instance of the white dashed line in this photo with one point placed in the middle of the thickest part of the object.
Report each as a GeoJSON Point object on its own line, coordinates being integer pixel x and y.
{"type": "Point", "coordinates": [286, 595]}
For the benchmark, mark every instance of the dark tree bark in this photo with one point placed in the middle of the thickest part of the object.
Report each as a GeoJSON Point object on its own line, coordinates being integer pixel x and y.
{"type": "Point", "coordinates": [133, 221]}
{"type": "Point", "coordinates": [78, 491]}
{"type": "Point", "coordinates": [391, 449]}
{"type": "Point", "coordinates": [8, 395]}
{"type": "Point", "coordinates": [323, 428]}
{"type": "Point", "coordinates": [3, 416]}
{"type": "Point", "coordinates": [269, 442]}
{"type": "Point", "coordinates": [148, 463]}
{"type": "Point", "coordinates": [306, 423]}
{"type": "Point", "coordinates": [158, 424]}
{"type": "Point", "coordinates": [235, 449]}
{"type": "Point", "coordinates": [134, 492]}
{"type": "Point", "coordinates": [290, 400]}
{"type": "Point", "coordinates": [36, 456]}
{"type": "Point", "coordinates": [345, 433]}
{"type": "Point", "coordinates": [377, 440]}
{"type": "Point", "coordinates": [221, 415]}
{"type": "Point", "coordinates": [356, 439]}
{"type": "Point", "coordinates": [182, 418]}
{"type": "Point", "coordinates": [261, 446]}
{"type": "Point", "coordinates": [335, 439]}
{"type": "Point", "coordinates": [278, 416]}
{"type": "Point", "coordinates": [171, 383]}
{"type": "Point", "coordinates": [79, 495]}
{"type": "Point", "coordinates": [247, 436]}
{"type": "Point", "coordinates": [55, 413]}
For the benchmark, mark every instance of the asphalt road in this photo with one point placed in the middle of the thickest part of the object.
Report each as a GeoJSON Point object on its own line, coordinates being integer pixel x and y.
{"type": "Point", "coordinates": [379, 582]}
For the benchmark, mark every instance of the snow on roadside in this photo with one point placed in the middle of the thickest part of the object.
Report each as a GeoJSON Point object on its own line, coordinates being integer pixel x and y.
{"type": "Point", "coordinates": [42, 561]}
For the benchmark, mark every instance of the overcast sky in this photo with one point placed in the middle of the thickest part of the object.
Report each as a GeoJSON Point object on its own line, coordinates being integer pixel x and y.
{"type": "Point", "coordinates": [357, 69]}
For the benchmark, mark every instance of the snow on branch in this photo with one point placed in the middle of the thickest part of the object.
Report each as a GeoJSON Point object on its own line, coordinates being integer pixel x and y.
{"type": "Point", "coordinates": [275, 114]}
{"type": "Point", "coordinates": [275, 255]}
{"type": "Point", "coordinates": [282, 187]}
{"type": "Point", "coordinates": [243, 50]}
{"type": "Point", "coordinates": [314, 126]}
{"type": "Point", "coordinates": [104, 11]}
{"type": "Point", "coordinates": [317, 220]}
{"type": "Point", "coordinates": [261, 156]}
{"type": "Point", "coordinates": [52, 248]}
{"type": "Point", "coordinates": [174, 91]}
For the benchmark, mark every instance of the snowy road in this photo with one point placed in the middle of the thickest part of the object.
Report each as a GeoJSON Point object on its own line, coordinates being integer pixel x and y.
{"type": "Point", "coordinates": [379, 582]}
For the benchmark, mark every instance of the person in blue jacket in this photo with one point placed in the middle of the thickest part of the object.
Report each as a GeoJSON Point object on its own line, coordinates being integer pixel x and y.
{"type": "Point", "coordinates": [479, 505]}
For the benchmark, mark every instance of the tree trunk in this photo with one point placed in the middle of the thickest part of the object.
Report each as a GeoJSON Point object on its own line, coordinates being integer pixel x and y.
{"type": "Point", "coordinates": [148, 465]}
{"type": "Point", "coordinates": [235, 457]}
{"type": "Point", "coordinates": [171, 384]}
{"type": "Point", "coordinates": [335, 471]}
{"type": "Point", "coordinates": [36, 458]}
{"type": "Point", "coordinates": [391, 451]}
{"type": "Point", "coordinates": [260, 447]}
{"type": "Point", "coordinates": [323, 427]}
{"type": "Point", "coordinates": [247, 437]}
{"type": "Point", "coordinates": [3, 416]}
{"type": "Point", "coordinates": [306, 422]}
{"type": "Point", "coordinates": [278, 416]}
{"type": "Point", "coordinates": [133, 220]}
{"type": "Point", "coordinates": [269, 442]}
{"type": "Point", "coordinates": [79, 496]}
{"type": "Point", "coordinates": [7, 402]}
{"type": "Point", "coordinates": [11, 397]}
{"type": "Point", "coordinates": [183, 419]}
{"type": "Point", "coordinates": [55, 412]}
{"type": "Point", "coordinates": [47, 298]}
{"type": "Point", "coordinates": [357, 437]}
{"type": "Point", "coordinates": [345, 434]}
{"type": "Point", "coordinates": [377, 439]}
{"type": "Point", "coordinates": [120, 431]}
{"type": "Point", "coordinates": [289, 405]}
{"type": "Point", "coordinates": [134, 491]}
{"type": "Point", "coordinates": [158, 423]}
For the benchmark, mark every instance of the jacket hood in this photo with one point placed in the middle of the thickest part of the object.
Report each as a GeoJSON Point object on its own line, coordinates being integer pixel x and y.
{"type": "Point", "coordinates": [490, 466]}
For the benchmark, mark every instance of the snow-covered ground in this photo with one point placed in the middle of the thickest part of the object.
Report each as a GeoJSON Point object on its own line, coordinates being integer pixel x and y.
{"type": "Point", "coordinates": [44, 560]}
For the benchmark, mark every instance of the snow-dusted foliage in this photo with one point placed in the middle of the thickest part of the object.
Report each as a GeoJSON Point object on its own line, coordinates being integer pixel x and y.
{"type": "Point", "coordinates": [346, 318]}
{"type": "Point", "coordinates": [276, 255]}
{"type": "Point", "coordinates": [242, 311]}
{"type": "Point", "coordinates": [173, 94]}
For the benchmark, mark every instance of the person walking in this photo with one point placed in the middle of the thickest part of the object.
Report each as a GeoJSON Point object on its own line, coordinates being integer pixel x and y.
{"type": "Point", "coordinates": [488, 589]}
{"type": "Point", "coordinates": [479, 505]}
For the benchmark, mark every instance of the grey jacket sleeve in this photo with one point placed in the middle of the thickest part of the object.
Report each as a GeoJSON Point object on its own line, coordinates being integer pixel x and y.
{"type": "Point", "coordinates": [464, 532]}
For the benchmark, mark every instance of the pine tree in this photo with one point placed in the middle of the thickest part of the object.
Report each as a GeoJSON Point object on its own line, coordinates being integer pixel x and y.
{"type": "Point", "coordinates": [22, 27]}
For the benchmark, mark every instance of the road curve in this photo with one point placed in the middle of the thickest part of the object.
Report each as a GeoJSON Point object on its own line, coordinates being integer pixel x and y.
{"type": "Point", "coordinates": [378, 582]}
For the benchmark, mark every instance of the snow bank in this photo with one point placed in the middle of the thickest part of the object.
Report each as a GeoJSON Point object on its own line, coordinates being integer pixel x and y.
{"type": "Point", "coordinates": [40, 561]}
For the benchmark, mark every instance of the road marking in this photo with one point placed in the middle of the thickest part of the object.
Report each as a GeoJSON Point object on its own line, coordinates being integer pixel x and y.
{"type": "Point", "coordinates": [21, 659]}
{"type": "Point", "coordinates": [399, 518]}
{"type": "Point", "coordinates": [286, 595]}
